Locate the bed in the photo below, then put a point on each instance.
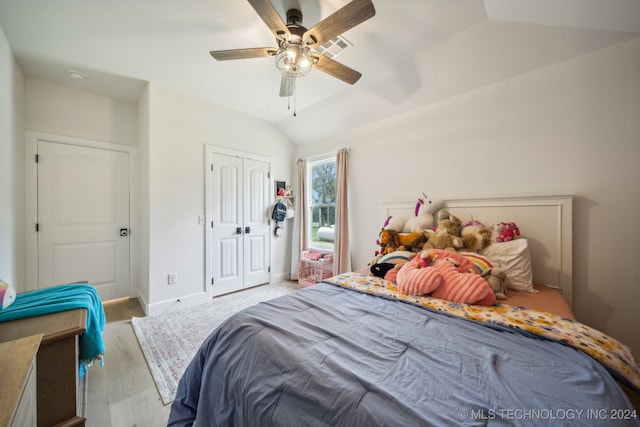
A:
(352, 351)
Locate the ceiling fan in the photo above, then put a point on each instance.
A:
(295, 54)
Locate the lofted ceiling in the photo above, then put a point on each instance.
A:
(411, 53)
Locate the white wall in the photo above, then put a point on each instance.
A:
(170, 131)
(12, 266)
(62, 110)
(572, 127)
(142, 276)
(179, 129)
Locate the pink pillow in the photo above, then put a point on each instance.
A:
(467, 288)
(413, 280)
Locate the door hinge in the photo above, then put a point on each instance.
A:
(211, 224)
(37, 227)
(269, 175)
(212, 280)
(37, 158)
(269, 269)
(211, 167)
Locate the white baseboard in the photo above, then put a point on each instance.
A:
(176, 303)
(191, 300)
(142, 301)
(280, 277)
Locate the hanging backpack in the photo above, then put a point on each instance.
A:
(279, 212)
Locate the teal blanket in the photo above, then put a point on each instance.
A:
(63, 298)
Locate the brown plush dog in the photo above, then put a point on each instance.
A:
(391, 240)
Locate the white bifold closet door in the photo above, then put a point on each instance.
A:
(238, 241)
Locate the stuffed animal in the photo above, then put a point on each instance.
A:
(471, 223)
(495, 278)
(440, 275)
(381, 268)
(424, 215)
(447, 234)
(396, 223)
(468, 288)
(462, 263)
(418, 222)
(475, 238)
(387, 266)
(391, 240)
(509, 231)
(496, 230)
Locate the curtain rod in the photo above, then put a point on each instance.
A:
(316, 157)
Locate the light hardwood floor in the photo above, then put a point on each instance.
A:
(122, 393)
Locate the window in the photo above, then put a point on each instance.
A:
(321, 179)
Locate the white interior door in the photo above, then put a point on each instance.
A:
(226, 224)
(239, 234)
(83, 217)
(256, 222)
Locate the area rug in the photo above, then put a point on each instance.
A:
(169, 341)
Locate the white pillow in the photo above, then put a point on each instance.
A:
(514, 259)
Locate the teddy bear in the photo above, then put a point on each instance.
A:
(507, 231)
(447, 234)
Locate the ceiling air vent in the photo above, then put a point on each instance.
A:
(333, 48)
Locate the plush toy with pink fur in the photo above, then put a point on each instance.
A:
(446, 275)
(509, 231)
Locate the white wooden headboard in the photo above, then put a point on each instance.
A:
(545, 221)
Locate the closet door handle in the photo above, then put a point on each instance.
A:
(247, 230)
(238, 230)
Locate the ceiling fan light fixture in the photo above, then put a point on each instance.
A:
(294, 59)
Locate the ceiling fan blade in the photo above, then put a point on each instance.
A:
(258, 52)
(341, 21)
(287, 85)
(268, 13)
(336, 69)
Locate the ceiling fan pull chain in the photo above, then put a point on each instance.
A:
(294, 104)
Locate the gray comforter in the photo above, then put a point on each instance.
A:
(328, 356)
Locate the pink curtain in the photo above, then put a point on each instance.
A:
(341, 253)
(299, 243)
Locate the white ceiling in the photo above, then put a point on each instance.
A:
(413, 52)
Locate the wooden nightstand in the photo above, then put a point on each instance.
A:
(58, 388)
(18, 379)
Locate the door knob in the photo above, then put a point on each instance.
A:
(247, 230)
(238, 230)
(124, 232)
